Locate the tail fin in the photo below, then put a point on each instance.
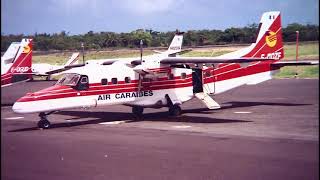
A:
(16, 65)
(176, 43)
(11, 53)
(23, 60)
(73, 59)
(269, 40)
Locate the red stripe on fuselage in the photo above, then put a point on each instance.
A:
(229, 72)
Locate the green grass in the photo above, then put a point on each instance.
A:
(306, 51)
(205, 53)
(61, 58)
(54, 59)
(301, 71)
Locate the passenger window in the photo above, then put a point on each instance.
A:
(170, 76)
(104, 81)
(114, 81)
(183, 75)
(127, 80)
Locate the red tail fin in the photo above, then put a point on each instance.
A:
(22, 63)
(269, 41)
(17, 67)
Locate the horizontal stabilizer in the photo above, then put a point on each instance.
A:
(295, 63)
(186, 60)
(207, 100)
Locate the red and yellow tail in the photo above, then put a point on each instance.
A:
(22, 63)
(17, 66)
(269, 41)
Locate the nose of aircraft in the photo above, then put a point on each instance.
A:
(17, 107)
(22, 106)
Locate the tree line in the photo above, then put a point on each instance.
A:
(101, 40)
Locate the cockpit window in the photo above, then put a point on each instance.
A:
(84, 80)
(69, 79)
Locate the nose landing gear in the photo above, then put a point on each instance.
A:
(44, 123)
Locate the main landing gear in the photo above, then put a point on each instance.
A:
(137, 111)
(44, 123)
(175, 110)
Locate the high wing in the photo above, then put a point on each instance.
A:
(56, 71)
(198, 60)
(64, 68)
(295, 63)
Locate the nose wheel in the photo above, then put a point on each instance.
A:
(44, 123)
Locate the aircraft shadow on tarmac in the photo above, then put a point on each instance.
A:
(238, 104)
(7, 104)
(100, 117)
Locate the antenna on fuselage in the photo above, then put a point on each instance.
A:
(140, 78)
(141, 50)
(82, 46)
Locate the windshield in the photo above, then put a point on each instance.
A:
(69, 79)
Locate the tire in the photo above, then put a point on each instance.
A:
(137, 111)
(175, 110)
(45, 124)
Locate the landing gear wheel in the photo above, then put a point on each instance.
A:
(137, 111)
(44, 123)
(175, 110)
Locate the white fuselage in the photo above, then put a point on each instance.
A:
(150, 93)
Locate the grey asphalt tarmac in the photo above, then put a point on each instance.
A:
(265, 131)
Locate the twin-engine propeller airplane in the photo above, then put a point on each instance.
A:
(162, 80)
(17, 66)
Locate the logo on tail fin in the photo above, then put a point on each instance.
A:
(271, 38)
(26, 49)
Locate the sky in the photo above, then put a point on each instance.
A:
(81, 16)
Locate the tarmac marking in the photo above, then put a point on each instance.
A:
(242, 112)
(113, 122)
(14, 118)
(181, 127)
